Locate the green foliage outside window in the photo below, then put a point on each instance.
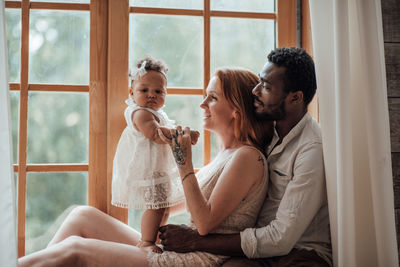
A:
(58, 123)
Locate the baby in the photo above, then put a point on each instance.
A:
(145, 174)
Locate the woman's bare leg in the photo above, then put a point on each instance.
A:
(89, 222)
(78, 251)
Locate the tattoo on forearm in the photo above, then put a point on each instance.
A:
(261, 159)
(179, 153)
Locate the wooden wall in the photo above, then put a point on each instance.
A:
(391, 33)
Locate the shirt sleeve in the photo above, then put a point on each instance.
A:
(305, 194)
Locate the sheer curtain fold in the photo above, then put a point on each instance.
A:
(8, 243)
(350, 66)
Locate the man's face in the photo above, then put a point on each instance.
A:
(269, 100)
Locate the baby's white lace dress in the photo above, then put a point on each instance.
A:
(145, 175)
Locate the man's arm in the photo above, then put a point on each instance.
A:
(181, 238)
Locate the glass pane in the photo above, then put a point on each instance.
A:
(184, 4)
(185, 110)
(215, 143)
(14, 102)
(244, 6)
(49, 199)
(58, 127)
(13, 29)
(241, 42)
(59, 47)
(178, 40)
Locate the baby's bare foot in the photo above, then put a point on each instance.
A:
(149, 246)
(155, 249)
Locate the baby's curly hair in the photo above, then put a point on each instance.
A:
(153, 64)
(300, 70)
(149, 63)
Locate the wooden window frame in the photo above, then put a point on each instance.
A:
(108, 84)
(306, 44)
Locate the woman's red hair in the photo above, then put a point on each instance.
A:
(237, 85)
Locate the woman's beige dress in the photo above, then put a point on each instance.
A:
(244, 216)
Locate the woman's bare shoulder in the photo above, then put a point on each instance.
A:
(248, 152)
(249, 157)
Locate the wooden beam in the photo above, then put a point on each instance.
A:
(194, 12)
(165, 11)
(57, 168)
(184, 91)
(86, 88)
(117, 87)
(207, 59)
(248, 15)
(46, 5)
(60, 6)
(13, 4)
(15, 86)
(23, 118)
(58, 88)
(97, 103)
(306, 44)
(54, 168)
(286, 23)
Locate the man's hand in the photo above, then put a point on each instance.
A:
(179, 238)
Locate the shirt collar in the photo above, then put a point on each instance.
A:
(273, 149)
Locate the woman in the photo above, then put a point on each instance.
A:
(225, 197)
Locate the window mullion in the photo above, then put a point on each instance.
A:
(117, 87)
(207, 52)
(97, 103)
(286, 23)
(23, 124)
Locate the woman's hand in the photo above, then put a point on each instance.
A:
(194, 136)
(181, 146)
(165, 132)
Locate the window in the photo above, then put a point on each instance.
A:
(69, 66)
(48, 47)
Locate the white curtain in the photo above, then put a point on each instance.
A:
(8, 240)
(349, 57)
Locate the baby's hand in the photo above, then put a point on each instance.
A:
(194, 136)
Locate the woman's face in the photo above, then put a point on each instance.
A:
(218, 113)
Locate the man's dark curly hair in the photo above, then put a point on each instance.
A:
(300, 70)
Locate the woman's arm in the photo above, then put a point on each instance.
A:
(177, 209)
(240, 174)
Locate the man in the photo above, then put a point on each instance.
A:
(293, 225)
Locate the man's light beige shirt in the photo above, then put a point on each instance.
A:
(295, 212)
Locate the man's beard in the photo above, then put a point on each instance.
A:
(274, 115)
